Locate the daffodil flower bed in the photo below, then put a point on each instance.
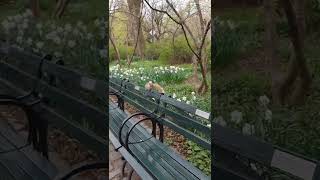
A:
(168, 76)
(74, 43)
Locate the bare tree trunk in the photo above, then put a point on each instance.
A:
(271, 44)
(35, 8)
(135, 29)
(199, 46)
(297, 26)
(63, 8)
(60, 8)
(195, 68)
(115, 47)
(127, 44)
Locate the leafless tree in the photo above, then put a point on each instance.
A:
(199, 43)
(136, 35)
(60, 8)
(112, 10)
(294, 85)
(35, 8)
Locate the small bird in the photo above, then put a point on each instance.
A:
(154, 86)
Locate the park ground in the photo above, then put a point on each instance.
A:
(241, 82)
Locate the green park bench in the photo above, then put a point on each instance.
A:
(18, 161)
(146, 152)
(235, 154)
(63, 98)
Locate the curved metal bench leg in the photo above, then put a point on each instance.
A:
(130, 174)
(121, 103)
(161, 129)
(126, 145)
(124, 122)
(123, 168)
(154, 128)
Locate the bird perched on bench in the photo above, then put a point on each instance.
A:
(154, 86)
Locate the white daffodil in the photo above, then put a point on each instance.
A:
(28, 13)
(209, 125)
(6, 25)
(19, 39)
(268, 115)
(71, 43)
(68, 27)
(264, 100)
(25, 25)
(231, 25)
(174, 95)
(18, 18)
(184, 98)
(193, 93)
(248, 129)
(57, 40)
(97, 23)
(29, 41)
(20, 32)
(236, 116)
(89, 36)
(57, 54)
(79, 23)
(219, 120)
(179, 99)
(60, 30)
(76, 32)
(188, 102)
(39, 26)
(39, 45)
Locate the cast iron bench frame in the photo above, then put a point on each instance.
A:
(160, 110)
(52, 90)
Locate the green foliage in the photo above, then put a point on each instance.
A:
(313, 14)
(178, 53)
(227, 44)
(123, 50)
(166, 53)
(238, 93)
(47, 5)
(153, 50)
(200, 157)
(181, 51)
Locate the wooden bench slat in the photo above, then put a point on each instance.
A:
(92, 141)
(174, 125)
(135, 165)
(63, 102)
(154, 167)
(157, 148)
(181, 119)
(70, 79)
(31, 163)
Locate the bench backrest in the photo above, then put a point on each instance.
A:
(67, 99)
(183, 118)
(228, 144)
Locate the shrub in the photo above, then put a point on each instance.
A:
(313, 14)
(226, 43)
(123, 50)
(175, 54)
(166, 53)
(181, 51)
(153, 50)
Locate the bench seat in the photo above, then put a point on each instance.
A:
(156, 157)
(23, 164)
